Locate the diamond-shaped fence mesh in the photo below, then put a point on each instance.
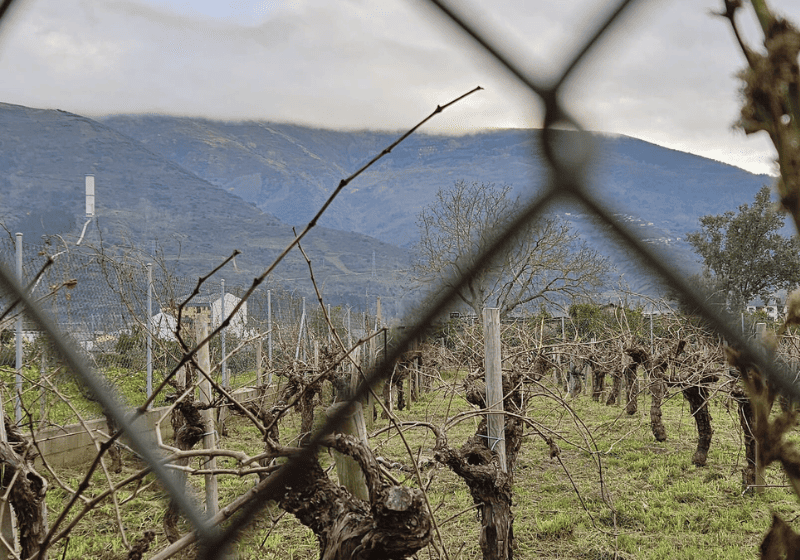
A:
(91, 309)
(101, 304)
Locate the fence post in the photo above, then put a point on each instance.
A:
(300, 331)
(18, 377)
(377, 387)
(348, 471)
(224, 364)
(494, 383)
(149, 329)
(269, 335)
(761, 333)
(204, 361)
(330, 327)
(222, 412)
(259, 371)
(559, 374)
(42, 391)
(349, 339)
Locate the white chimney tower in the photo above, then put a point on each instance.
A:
(90, 196)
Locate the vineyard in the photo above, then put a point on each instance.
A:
(627, 435)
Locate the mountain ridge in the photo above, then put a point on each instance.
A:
(209, 186)
(666, 188)
(516, 149)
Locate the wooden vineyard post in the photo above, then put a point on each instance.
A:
(376, 389)
(558, 374)
(204, 361)
(259, 369)
(761, 332)
(494, 384)
(350, 474)
(370, 364)
(269, 336)
(349, 363)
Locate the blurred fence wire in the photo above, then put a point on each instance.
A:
(106, 306)
(568, 151)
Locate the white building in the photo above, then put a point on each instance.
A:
(772, 308)
(238, 323)
(165, 323)
(163, 326)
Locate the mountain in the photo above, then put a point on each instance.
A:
(198, 189)
(289, 170)
(145, 200)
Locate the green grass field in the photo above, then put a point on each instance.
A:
(658, 504)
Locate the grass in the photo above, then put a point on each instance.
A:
(129, 384)
(663, 505)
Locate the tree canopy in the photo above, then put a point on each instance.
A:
(545, 263)
(744, 253)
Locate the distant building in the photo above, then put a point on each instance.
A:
(773, 308)
(207, 307)
(163, 326)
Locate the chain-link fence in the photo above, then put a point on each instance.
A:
(568, 152)
(121, 315)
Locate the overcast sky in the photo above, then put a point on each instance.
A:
(667, 75)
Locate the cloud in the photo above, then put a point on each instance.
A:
(665, 74)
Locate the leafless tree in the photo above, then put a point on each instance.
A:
(546, 262)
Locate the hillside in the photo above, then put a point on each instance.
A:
(145, 200)
(198, 189)
(288, 170)
(275, 165)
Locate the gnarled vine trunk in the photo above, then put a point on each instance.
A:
(658, 390)
(598, 381)
(747, 422)
(632, 394)
(188, 428)
(27, 494)
(616, 386)
(395, 524)
(697, 395)
(659, 381)
(575, 380)
(490, 487)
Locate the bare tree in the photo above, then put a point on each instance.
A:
(545, 263)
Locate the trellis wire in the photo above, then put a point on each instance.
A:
(568, 156)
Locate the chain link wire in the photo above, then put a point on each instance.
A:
(99, 303)
(113, 300)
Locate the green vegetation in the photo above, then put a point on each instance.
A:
(129, 384)
(663, 506)
(745, 255)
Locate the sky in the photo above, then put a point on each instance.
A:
(665, 75)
